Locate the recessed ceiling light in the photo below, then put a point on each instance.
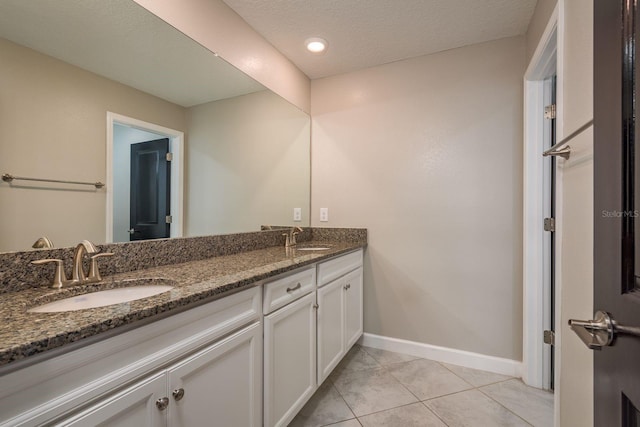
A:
(315, 44)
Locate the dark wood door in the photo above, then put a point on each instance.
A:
(617, 228)
(150, 190)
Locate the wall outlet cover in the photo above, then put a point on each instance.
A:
(297, 214)
(324, 214)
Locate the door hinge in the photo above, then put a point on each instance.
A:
(169, 157)
(549, 224)
(550, 112)
(550, 337)
(168, 219)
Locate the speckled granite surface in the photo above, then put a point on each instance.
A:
(23, 334)
(17, 272)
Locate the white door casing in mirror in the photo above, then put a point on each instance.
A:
(176, 143)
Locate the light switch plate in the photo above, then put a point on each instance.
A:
(324, 214)
(297, 214)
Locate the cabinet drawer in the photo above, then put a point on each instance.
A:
(281, 292)
(330, 270)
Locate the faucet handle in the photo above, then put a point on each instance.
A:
(94, 271)
(59, 279)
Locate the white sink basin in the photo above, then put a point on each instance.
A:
(101, 298)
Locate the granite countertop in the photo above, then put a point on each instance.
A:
(25, 334)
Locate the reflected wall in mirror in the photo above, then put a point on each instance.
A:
(65, 64)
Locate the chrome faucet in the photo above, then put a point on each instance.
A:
(78, 275)
(291, 237)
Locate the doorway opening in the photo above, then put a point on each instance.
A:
(539, 265)
(122, 133)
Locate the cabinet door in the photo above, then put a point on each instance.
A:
(220, 385)
(331, 327)
(134, 406)
(289, 360)
(353, 307)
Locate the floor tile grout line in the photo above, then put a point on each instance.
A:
(434, 413)
(443, 365)
(343, 399)
(390, 373)
(501, 381)
(514, 413)
(424, 402)
(421, 400)
(398, 381)
(338, 422)
(402, 384)
(382, 367)
(468, 382)
(473, 386)
(393, 363)
(406, 388)
(447, 395)
(385, 368)
(389, 409)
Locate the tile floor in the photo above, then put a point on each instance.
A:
(372, 388)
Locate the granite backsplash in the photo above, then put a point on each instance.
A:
(17, 273)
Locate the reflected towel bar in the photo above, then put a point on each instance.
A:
(7, 177)
(566, 151)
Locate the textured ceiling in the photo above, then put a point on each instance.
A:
(120, 40)
(364, 33)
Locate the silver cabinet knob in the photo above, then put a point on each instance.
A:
(178, 394)
(131, 230)
(162, 403)
(347, 286)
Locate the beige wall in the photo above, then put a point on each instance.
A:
(427, 154)
(539, 20)
(217, 27)
(575, 377)
(53, 121)
(248, 164)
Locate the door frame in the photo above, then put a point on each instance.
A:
(176, 146)
(536, 249)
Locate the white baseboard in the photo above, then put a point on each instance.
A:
(468, 359)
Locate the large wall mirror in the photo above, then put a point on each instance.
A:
(83, 83)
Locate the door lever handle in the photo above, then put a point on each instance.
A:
(601, 331)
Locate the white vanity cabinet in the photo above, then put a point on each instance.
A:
(134, 406)
(340, 310)
(214, 383)
(213, 352)
(353, 306)
(220, 385)
(252, 358)
(289, 346)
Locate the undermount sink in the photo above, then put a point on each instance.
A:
(101, 298)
